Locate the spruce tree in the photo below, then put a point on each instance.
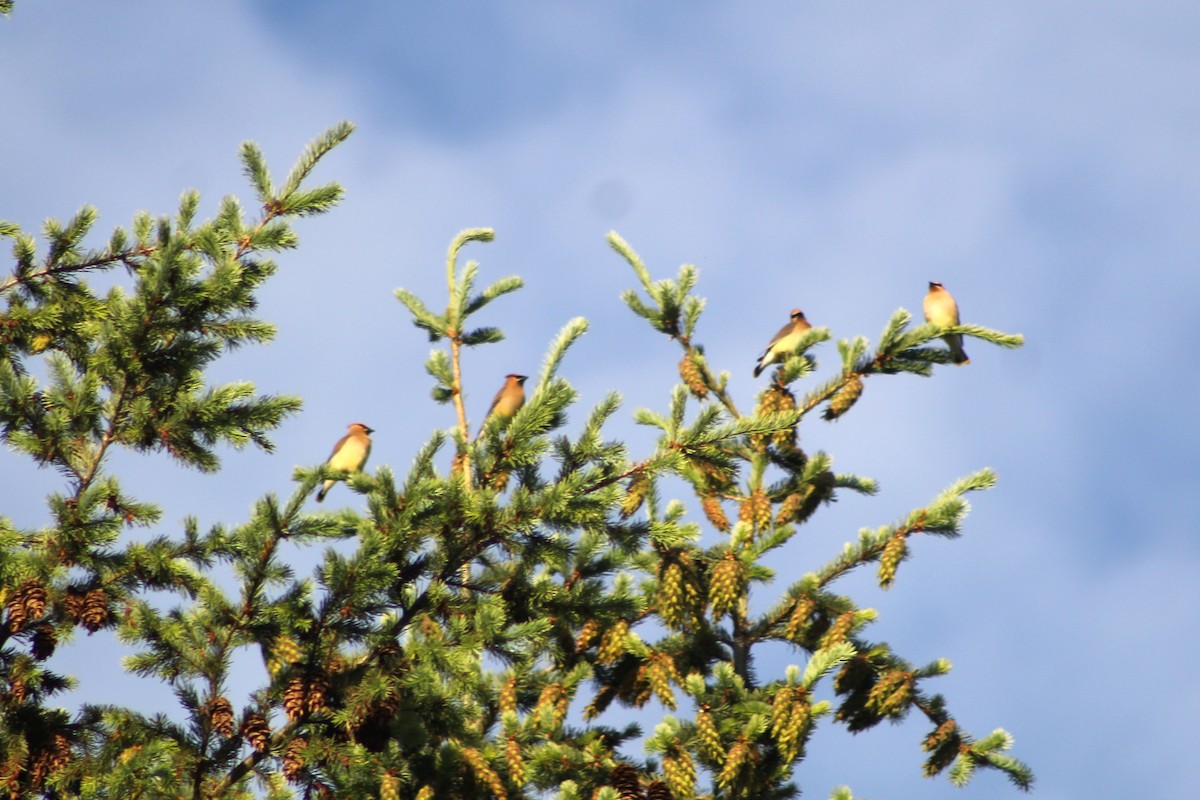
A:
(474, 625)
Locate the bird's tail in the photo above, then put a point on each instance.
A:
(956, 349)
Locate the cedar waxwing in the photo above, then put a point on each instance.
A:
(349, 454)
(508, 400)
(781, 346)
(941, 310)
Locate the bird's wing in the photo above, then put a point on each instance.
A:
(784, 331)
(337, 447)
(496, 400)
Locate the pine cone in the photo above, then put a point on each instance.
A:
(693, 602)
(613, 644)
(710, 740)
(282, 652)
(508, 697)
(561, 707)
(59, 751)
(659, 791)
(680, 772)
(800, 505)
(293, 758)
(856, 675)
(373, 727)
(625, 780)
(941, 758)
(27, 603)
(715, 513)
(45, 639)
(799, 723)
(39, 768)
(586, 634)
(552, 703)
(941, 734)
(785, 437)
(756, 509)
(257, 732)
(791, 505)
(16, 612)
(692, 375)
(499, 480)
(635, 494)
(780, 708)
(739, 754)
(890, 696)
(840, 629)
(74, 603)
(318, 694)
(515, 759)
(893, 552)
(636, 690)
(798, 621)
(762, 510)
(943, 746)
(389, 787)
(845, 397)
(768, 401)
(659, 673)
(430, 628)
(790, 715)
(220, 714)
(294, 698)
(484, 772)
(95, 610)
(35, 599)
(726, 584)
(669, 597)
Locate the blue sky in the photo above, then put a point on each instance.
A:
(1042, 159)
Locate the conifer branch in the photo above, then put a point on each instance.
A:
(130, 258)
(106, 440)
(674, 301)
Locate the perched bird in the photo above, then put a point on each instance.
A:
(508, 400)
(941, 310)
(784, 342)
(349, 454)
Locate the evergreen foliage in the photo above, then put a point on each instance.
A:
(485, 611)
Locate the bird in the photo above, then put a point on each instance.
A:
(784, 342)
(349, 454)
(942, 310)
(508, 400)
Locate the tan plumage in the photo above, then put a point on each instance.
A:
(942, 310)
(349, 454)
(509, 399)
(784, 342)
